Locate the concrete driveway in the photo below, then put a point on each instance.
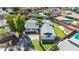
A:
(33, 36)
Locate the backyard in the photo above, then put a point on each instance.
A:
(59, 32)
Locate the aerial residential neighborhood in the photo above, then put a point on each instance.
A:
(39, 29)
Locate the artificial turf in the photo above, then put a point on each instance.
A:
(59, 32)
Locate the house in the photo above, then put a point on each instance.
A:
(71, 14)
(31, 26)
(70, 44)
(3, 23)
(41, 14)
(3, 12)
(47, 34)
(47, 22)
(4, 26)
(9, 10)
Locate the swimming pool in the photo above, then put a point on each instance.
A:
(68, 21)
(77, 37)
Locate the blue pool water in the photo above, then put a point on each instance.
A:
(77, 36)
(68, 21)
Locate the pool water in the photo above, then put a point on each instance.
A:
(68, 21)
(77, 36)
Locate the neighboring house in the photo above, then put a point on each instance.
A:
(31, 26)
(56, 12)
(47, 33)
(71, 14)
(3, 12)
(70, 44)
(4, 26)
(3, 23)
(41, 14)
(9, 10)
(47, 22)
(32, 14)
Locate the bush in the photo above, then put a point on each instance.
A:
(3, 8)
(55, 47)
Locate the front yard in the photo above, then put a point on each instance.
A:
(37, 47)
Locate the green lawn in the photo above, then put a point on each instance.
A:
(55, 24)
(59, 32)
(37, 47)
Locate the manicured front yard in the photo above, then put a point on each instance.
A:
(37, 47)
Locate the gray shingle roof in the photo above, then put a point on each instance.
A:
(3, 23)
(31, 24)
(46, 28)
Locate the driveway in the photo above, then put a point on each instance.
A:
(33, 36)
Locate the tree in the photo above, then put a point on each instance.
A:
(40, 23)
(55, 47)
(15, 8)
(3, 8)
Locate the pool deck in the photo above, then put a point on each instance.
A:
(67, 46)
(72, 25)
(73, 39)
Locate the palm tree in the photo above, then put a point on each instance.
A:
(15, 9)
(3, 8)
(16, 22)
